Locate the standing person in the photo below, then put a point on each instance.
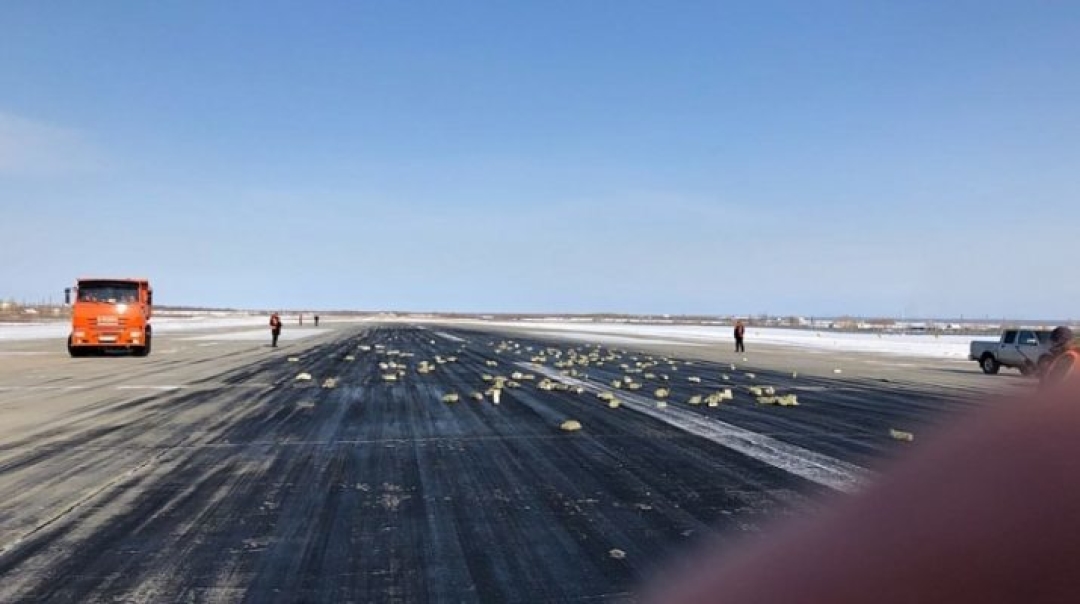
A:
(275, 329)
(316, 320)
(740, 331)
(1065, 357)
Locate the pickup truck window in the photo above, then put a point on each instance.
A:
(1027, 338)
(1009, 337)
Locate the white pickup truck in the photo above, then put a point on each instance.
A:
(1025, 349)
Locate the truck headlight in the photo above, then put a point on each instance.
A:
(79, 333)
(135, 335)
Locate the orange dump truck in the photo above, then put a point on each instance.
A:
(110, 314)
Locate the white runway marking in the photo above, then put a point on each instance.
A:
(452, 338)
(137, 387)
(816, 467)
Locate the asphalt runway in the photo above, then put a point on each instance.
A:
(208, 473)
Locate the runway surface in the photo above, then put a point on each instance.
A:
(208, 473)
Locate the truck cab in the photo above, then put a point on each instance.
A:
(110, 314)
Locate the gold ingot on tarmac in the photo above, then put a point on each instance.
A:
(788, 400)
(901, 435)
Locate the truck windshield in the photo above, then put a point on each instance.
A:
(108, 291)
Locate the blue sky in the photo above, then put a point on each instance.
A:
(873, 158)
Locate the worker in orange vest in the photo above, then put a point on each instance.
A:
(1066, 357)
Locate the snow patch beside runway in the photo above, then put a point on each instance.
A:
(162, 325)
(923, 345)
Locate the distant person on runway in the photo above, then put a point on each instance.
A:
(316, 320)
(275, 329)
(740, 331)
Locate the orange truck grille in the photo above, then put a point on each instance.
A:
(106, 321)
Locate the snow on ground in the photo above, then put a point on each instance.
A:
(928, 345)
(945, 346)
(162, 325)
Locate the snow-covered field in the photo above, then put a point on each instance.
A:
(946, 346)
(162, 325)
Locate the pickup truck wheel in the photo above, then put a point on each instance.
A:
(1044, 364)
(989, 364)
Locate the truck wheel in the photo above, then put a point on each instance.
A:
(73, 352)
(989, 364)
(1030, 368)
(144, 350)
(1044, 364)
